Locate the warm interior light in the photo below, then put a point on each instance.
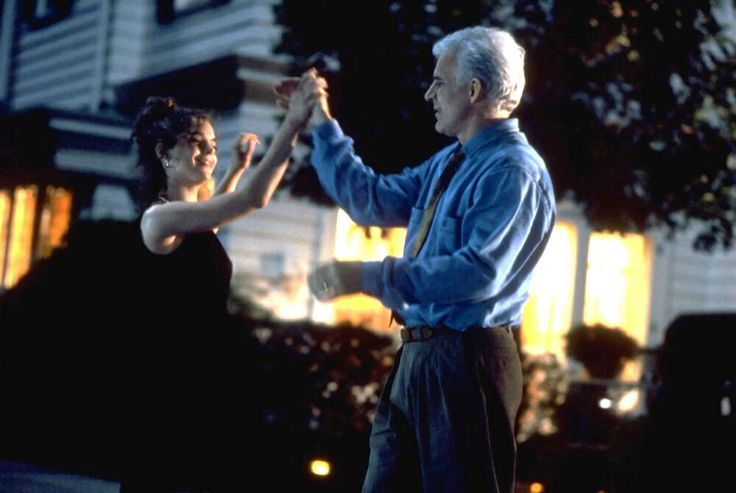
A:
(353, 242)
(629, 401)
(4, 220)
(536, 488)
(55, 217)
(21, 234)
(617, 283)
(320, 467)
(548, 311)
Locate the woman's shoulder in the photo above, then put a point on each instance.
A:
(150, 227)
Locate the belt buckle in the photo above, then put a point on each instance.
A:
(405, 334)
(416, 333)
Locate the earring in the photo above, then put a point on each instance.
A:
(166, 162)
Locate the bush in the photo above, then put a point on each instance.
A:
(603, 351)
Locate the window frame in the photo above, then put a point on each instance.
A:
(59, 10)
(166, 12)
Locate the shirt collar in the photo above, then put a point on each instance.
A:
(494, 131)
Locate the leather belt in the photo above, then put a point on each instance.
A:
(422, 333)
(412, 334)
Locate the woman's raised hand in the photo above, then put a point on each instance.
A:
(243, 151)
(300, 95)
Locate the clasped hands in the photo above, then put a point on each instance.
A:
(305, 98)
(313, 89)
(335, 278)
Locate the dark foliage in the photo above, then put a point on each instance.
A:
(72, 338)
(603, 351)
(631, 103)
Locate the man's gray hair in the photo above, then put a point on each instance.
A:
(493, 57)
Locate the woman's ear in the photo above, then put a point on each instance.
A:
(160, 150)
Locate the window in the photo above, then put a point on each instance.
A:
(168, 10)
(184, 5)
(33, 222)
(547, 314)
(20, 234)
(40, 13)
(56, 213)
(618, 282)
(353, 242)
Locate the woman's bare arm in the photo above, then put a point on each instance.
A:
(162, 225)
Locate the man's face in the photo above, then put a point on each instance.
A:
(450, 99)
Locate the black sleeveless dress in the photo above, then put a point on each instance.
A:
(186, 399)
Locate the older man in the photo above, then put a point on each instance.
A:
(479, 214)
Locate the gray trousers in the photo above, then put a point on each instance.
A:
(445, 419)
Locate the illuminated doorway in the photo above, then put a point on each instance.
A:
(547, 315)
(618, 283)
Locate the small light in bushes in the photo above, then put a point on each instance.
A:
(605, 403)
(320, 467)
(536, 488)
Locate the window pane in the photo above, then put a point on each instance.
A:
(183, 5)
(548, 312)
(617, 283)
(4, 222)
(42, 9)
(55, 217)
(21, 234)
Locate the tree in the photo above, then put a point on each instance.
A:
(631, 103)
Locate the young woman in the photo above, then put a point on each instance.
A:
(177, 150)
(190, 401)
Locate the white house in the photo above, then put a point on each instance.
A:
(72, 74)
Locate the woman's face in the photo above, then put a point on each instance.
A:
(194, 157)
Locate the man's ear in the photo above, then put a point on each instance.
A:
(476, 91)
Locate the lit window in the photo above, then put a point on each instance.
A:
(617, 283)
(353, 242)
(55, 216)
(30, 216)
(4, 223)
(548, 312)
(23, 213)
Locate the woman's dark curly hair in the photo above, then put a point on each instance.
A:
(160, 121)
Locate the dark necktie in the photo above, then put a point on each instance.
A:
(452, 165)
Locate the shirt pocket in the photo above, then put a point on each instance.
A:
(443, 236)
(446, 237)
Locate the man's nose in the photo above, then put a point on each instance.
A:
(428, 94)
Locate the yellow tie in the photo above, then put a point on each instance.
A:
(452, 165)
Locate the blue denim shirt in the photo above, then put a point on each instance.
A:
(489, 229)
